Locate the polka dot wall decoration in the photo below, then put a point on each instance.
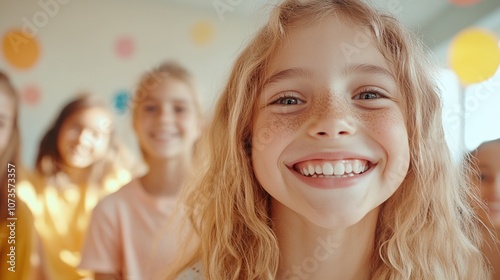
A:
(125, 47)
(21, 50)
(121, 101)
(474, 55)
(202, 33)
(31, 95)
(464, 2)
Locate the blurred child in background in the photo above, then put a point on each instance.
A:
(79, 161)
(487, 160)
(15, 234)
(127, 238)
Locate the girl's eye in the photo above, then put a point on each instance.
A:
(368, 95)
(483, 177)
(149, 108)
(288, 100)
(179, 109)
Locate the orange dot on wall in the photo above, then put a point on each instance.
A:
(20, 49)
(464, 2)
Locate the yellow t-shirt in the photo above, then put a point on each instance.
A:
(17, 243)
(61, 217)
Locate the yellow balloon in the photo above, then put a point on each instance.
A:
(21, 50)
(474, 55)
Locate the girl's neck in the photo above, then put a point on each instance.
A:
(78, 176)
(310, 252)
(165, 176)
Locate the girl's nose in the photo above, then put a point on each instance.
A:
(88, 137)
(84, 136)
(166, 114)
(332, 119)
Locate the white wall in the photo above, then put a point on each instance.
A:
(77, 43)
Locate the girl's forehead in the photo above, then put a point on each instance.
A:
(89, 116)
(489, 151)
(170, 89)
(326, 42)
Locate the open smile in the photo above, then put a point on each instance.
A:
(333, 169)
(332, 173)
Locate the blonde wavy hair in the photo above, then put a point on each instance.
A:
(426, 230)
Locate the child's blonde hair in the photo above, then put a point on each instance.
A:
(426, 230)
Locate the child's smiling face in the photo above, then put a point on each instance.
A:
(329, 139)
(167, 123)
(84, 137)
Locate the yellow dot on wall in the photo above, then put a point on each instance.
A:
(202, 32)
(474, 55)
(21, 50)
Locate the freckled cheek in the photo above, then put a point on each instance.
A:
(270, 128)
(388, 129)
(387, 123)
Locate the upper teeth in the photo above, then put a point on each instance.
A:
(328, 168)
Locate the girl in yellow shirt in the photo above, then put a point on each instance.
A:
(16, 222)
(79, 161)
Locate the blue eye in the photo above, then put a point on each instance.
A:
(288, 100)
(368, 95)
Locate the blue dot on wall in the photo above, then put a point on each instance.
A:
(120, 101)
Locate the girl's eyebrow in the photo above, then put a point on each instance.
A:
(367, 69)
(289, 73)
(306, 73)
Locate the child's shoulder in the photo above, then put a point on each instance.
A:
(123, 193)
(192, 273)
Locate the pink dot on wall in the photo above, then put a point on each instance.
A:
(464, 2)
(124, 47)
(31, 95)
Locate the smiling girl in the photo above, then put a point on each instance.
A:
(326, 160)
(79, 161)
(129, 235)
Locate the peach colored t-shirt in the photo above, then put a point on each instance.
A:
(130, 235)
